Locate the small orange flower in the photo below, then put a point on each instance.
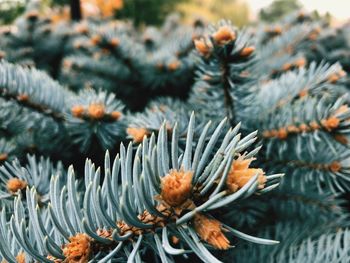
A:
(203, 47)
(78, 249)
(78, 110)
(96, 111)
(247, 51)
(176, 187)
(137, 133)
(210, 230)
(224, 35)
(240, 174)
(15, 184)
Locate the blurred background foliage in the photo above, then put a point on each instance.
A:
(153, 12)
(141, 12)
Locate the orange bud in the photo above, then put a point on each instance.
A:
(78, 249)
(3, 157)
(95, 39)
(114, 42)
(247, 51)
(240, 174)
(96, 111)
(282, 133)
(330, 123)
(300, 62)
(21, 258)
(210, 230)
(176, 187)
(15, 184)
(116, 115)
(202, 47)
(224, 35)
(78, 110)
(22, 97)
(137, 133)
(174, 65)
(335, 166)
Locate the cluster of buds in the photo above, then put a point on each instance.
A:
(298, 63)
(95, 111)
(329, 124)
(221, 37)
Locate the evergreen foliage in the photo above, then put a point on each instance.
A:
(204, 142)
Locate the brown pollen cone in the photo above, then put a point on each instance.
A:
(78, 249)
(240, 174)
(176, 187)
(210, 230)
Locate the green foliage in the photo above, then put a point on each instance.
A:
(9, 10)
(150, 12)
(278, 9)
